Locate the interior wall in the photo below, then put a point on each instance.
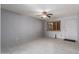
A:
(17, 29)
(78, 28)
(69, 28)
(0, 28)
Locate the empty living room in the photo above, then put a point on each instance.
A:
(39, 28)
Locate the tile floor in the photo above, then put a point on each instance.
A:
(46, 46)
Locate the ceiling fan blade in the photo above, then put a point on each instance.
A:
(50, 14)
(38, 15)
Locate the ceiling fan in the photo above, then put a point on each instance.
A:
(45, 14)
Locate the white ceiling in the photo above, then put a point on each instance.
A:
(59, 10)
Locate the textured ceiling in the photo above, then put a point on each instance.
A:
(59, 10)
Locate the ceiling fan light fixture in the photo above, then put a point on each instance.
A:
(44, 16)
(44, 13)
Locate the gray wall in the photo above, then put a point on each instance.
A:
(78, 28)
(69, 28)
(0, 28)
(17, 29)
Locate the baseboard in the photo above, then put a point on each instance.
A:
(70, 40)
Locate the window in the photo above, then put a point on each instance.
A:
(54, 26)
